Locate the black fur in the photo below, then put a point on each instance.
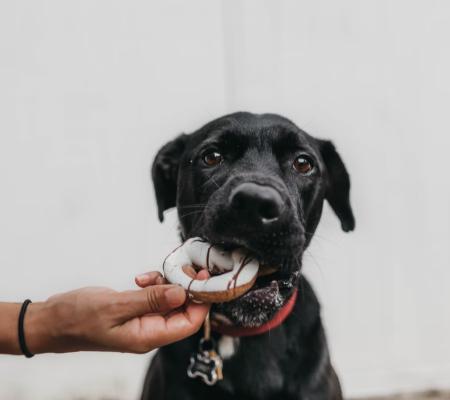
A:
(258, 151)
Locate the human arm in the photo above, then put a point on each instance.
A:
(102, 319)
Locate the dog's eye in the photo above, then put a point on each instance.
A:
(212, 158)
(303, 164)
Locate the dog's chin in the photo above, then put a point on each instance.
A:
(260, 304)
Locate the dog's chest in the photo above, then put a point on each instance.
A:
(227, 346)
(249, 369)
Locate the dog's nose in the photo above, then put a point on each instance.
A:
(256, 202)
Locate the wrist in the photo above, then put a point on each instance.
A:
(39, 328)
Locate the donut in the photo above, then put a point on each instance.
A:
(233, 273)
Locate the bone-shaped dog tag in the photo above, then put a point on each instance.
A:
(206, 364)
(204, 367)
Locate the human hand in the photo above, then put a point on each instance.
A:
(102, 319)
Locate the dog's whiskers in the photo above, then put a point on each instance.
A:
(317, 264)
(193, 205)
(215, 183)
(317, 236)
(190, 213)
(211, 179)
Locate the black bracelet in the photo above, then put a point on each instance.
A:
(22, 344)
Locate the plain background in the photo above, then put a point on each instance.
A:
(89, 90)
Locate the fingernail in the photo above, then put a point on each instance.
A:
(142, 277)
(175, 296)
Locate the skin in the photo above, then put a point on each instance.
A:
(102, 319)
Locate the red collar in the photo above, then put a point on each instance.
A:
(277, 320)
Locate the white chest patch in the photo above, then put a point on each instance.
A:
(227, 346)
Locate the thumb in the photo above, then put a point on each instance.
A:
(153, 299)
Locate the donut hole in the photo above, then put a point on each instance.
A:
(215, 270)
(190, 271)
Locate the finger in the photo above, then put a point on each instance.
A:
(183, 324)
(203, 274)
(195, 313)
(153, 299)
(149, 278)
(159, 331)
(155, 278)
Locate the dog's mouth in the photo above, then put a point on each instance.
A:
(269, 283)
(271, 290)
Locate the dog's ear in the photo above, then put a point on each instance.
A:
(338, 185)
(165, 173)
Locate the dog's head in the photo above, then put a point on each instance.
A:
(257, 182)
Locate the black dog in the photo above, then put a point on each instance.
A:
(257, 182)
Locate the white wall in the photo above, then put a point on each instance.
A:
(90, 90)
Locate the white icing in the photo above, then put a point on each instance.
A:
(195, 251)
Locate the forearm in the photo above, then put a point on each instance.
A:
(9, 315)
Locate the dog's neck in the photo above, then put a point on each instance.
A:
(277, 320)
